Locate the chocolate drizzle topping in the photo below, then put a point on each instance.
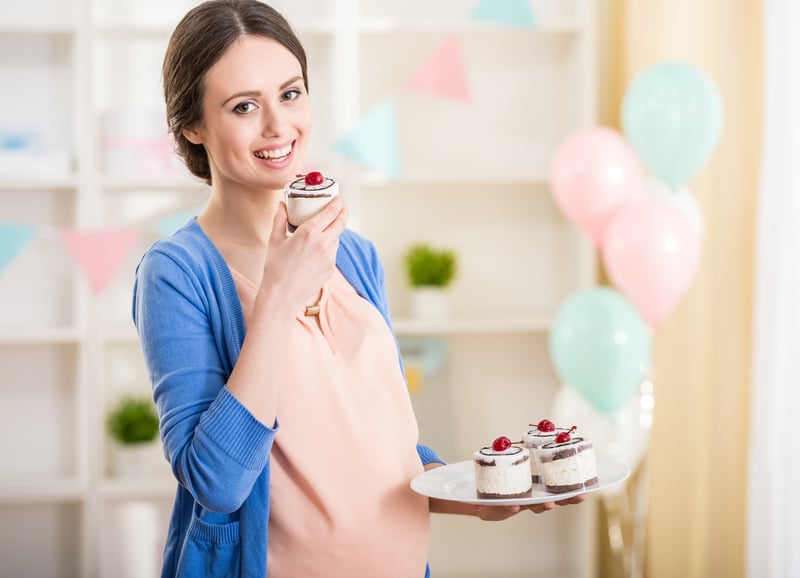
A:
(310, 190)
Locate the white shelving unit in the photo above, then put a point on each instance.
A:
(81, 77)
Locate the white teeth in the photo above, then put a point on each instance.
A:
(274, 154)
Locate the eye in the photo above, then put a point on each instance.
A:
(292, 94)
(244, 107)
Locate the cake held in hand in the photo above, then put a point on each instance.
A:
(308, 195)
(567, 463)
(544, 432)
(502, 470)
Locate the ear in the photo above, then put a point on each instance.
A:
(192, 134)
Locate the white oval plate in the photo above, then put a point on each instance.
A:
(456, 483)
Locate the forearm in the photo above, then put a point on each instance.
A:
(220, 457)
(260, 370)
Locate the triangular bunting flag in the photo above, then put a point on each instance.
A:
(373, 142)
(443, 74)
(169, 225)
(13, 239)
(506, 12)
(99, 253)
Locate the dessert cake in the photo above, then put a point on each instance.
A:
(502, 470)
(307, 195)
(544, 432)
(567, 463)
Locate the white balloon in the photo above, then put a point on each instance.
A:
(622, 436)
(681, 197)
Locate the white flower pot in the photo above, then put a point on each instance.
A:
(136, 460)
(431, 303)
(139, 533)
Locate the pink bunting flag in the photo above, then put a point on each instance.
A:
(99, 253)
(443, 74)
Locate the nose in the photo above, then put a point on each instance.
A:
(275, 120)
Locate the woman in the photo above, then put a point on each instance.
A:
(289, 427)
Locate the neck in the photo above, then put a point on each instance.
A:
(241, 218)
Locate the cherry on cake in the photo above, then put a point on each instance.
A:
(544, 432)
(502, 470)
(567, 463)
(308, 195)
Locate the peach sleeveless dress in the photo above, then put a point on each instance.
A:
(345, 451)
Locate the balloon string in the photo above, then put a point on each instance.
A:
(614, 530)
(640, 520)
(626, 519)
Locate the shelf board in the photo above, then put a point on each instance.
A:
(39, 490)
(138, 488)
(390, 25)
(122, 31)
(402, 326)
(537, 177)
(41, 28)
(48, 336)
(367, 26)
(121, 335)
(161, 32)
(405, 326)
(475, 326)
(13, 184)
(132, 183)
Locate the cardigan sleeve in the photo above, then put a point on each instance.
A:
(215, 446)
(428, 455)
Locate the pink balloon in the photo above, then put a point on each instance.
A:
(594, 172)
(651, 251)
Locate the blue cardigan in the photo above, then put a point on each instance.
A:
(189, 318)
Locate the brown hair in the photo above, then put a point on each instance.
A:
(198, 41)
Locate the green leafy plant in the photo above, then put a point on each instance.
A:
(133, 420)
(428, 266)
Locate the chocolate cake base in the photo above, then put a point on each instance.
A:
(501, 496)
(571, 487)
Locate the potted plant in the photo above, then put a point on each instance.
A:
(430, 272)
(133, 424)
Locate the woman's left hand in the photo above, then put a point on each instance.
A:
(496, 513)
(492, 513)
(500, 513)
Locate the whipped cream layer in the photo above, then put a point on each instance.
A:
(502, 474)
(567, 466)
(535, 438)
(303, 201)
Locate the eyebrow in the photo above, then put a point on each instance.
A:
(244, 93)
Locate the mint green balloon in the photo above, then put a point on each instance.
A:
(600, 345)
(672, 116)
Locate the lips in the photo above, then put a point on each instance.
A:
(276, 154)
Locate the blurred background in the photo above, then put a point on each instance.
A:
(585, 209)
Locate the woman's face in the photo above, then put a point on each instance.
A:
(256, 116)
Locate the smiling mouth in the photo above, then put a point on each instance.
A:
(275, 154)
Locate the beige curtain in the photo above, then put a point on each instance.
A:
(696, 466)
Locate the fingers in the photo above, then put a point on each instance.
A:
(541, 508)
(333, 217)
(499, 513)
(570, 501)
(280, 222)
(496, 513)
(340, 222)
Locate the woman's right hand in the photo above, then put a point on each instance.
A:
(298, 265)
